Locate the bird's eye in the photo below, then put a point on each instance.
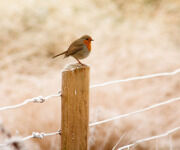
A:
(87, 39)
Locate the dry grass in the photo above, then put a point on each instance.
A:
(131, 38)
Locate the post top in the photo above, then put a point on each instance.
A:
(71, 67)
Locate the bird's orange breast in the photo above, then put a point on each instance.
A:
(88, 44)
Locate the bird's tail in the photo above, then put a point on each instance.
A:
(59, 54)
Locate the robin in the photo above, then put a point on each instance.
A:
(79, 49)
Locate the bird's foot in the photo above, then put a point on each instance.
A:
(82, 64)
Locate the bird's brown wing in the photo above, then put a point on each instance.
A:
(75, 47)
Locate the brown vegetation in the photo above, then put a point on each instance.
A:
(131, 38)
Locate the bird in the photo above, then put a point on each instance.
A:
(79, 49)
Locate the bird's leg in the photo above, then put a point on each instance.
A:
(78, 61)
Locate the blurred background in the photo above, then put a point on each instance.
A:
(132, 38)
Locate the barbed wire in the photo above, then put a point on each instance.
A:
(135, 112)
(33, 135)
(150, 138)
(39, 99)
(136, 78)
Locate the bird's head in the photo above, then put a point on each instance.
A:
(87, 37)
(87, 41)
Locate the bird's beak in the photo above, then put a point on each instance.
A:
(92, 40)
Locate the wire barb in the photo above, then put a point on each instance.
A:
(39, 99)
(38, 135)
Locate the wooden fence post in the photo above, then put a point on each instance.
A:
(75, 107)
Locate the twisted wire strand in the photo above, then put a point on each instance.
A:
(39, 135)
(39, 99)
(135, 112)
(137, 78)
(150, 138)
